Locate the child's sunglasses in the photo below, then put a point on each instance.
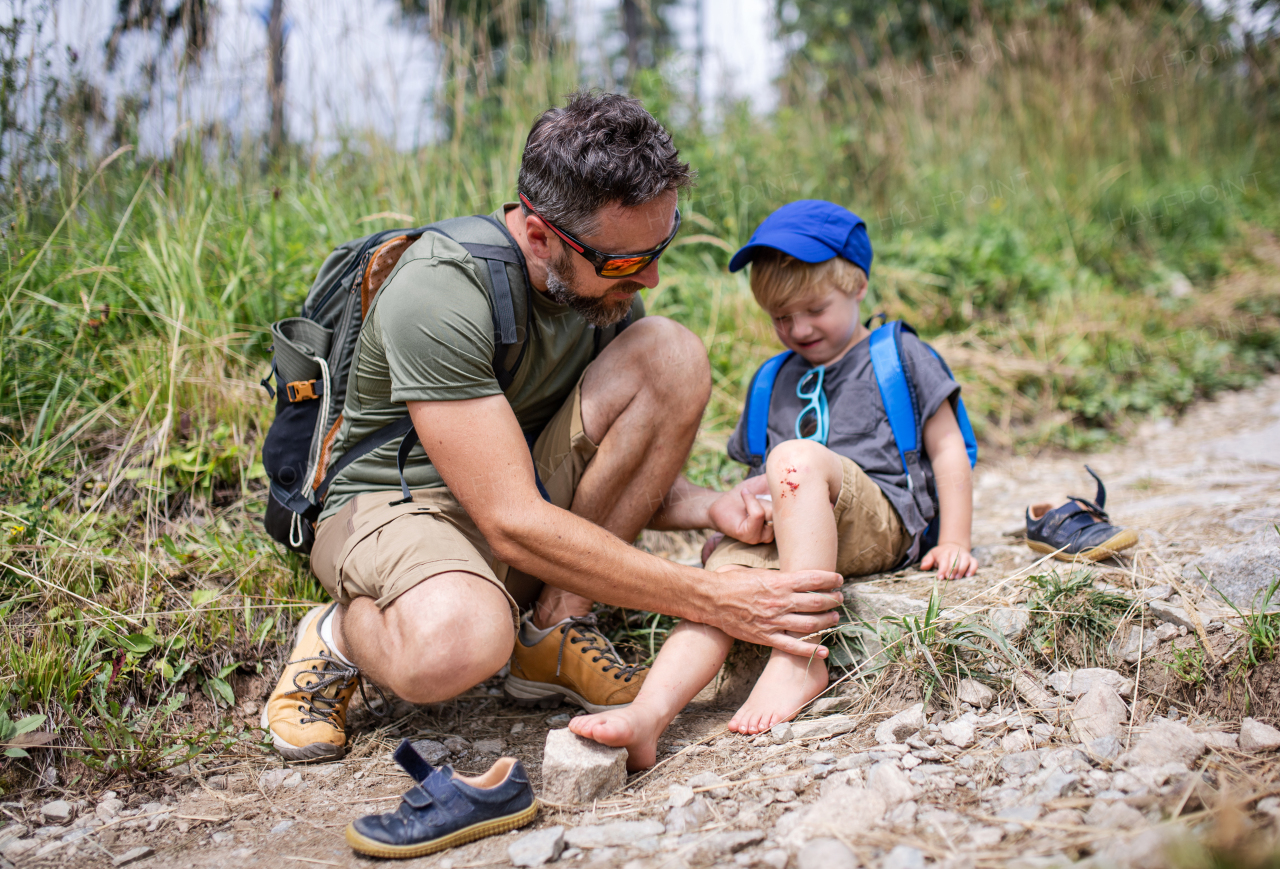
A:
(814, 420)
(609, 265)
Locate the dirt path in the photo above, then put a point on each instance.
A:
(1205, 491)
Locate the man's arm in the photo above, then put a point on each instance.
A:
(737, 513)
(478, 448)
(944, 445)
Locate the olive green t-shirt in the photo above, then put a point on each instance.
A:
(429, 336)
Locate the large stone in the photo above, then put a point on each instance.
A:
(682, 819)
(714, 849)
(1256, 736)
(432, 752)
(906, 723)
(1083, 680)
(577, 770)
(1242, 571)
(904, 857)
(888, 780)
(842, 811)
(1057, 784)
(57, 812)
(716, 783)
(1021, 763)
(613, 834)
(1100, 712)
(1114, 816)
(1174, 615)
(959, 733)
(537, 848)
(826, 853)
(974, 693)
(1133, 644)
(1164, 742)
(824, 728)
(1010, 621)
(1146, 850)
(1105, 748)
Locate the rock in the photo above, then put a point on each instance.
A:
(1105, 747)
(1242, 570)
(904, 857)
(903, 815)
(292, 781)
(282, 826)
(1017, 741)
(710, 780)
(691, 817)
(888, 780)
(13, 849)
(906, 723)
(1100, 712)
(1134, 645)
(780, 733)
(1166, 632)
(613, 834)
(1256, 736)
(1114, 816)
(1011, 621)
(826, 853)
(537, 848)
(823, 728)
(1014, 814)
(959, 733)
(489, 746)
(1143, 851)
(985, 838)
(976, 694)
(1055, 786)
(132, 855)
(1219, 740)
(817, 757)
(56, 812)
(272, 778)
(843, 811)
(456, 744)
(1059, 681)
(1083, 680)
(559, 720)
(517, 728)
(1163, 742)
(679, 796)
(108, 809)
(1022, 763)
(1174, 615)
(714, 849)
(1030, 689)
(1064, 817)
(432, 752)
(577, 770)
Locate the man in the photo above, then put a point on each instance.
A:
(426, 591)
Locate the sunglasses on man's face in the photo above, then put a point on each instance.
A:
(609, 265)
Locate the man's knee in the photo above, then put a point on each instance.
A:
(447, 639)
(674, 359)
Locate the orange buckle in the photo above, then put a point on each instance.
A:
(301, 390)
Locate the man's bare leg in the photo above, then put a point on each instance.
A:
(441, 637)
(642, 402)
(689, 659)
(804, 482)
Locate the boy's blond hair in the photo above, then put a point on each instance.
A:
(778, 279)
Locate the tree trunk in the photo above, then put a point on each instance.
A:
(633, 29)
(275, 79)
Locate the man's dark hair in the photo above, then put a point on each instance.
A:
(596, 150)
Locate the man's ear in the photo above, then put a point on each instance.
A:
(539, 236)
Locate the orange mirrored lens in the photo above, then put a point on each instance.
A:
(622, 267)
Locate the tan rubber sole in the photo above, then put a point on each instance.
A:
(1116, 543)
(364, 845)
(316, 752)
(548, 696)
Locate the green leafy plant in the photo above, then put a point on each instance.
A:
(1071, 621)
(1188, 665)
(17, 736)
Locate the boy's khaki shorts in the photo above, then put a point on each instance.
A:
(870, 534)
(374, 549)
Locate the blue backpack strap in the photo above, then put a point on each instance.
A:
(898, 397)
(962, 416)
(756, 414)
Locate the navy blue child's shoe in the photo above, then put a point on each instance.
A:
(446, 809)
(1079, 530)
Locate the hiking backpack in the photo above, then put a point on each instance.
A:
(313, 353)
(901, 406)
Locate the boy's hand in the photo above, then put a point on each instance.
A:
(739, 514)
(952, 560)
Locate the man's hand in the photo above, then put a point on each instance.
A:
(739, 514)
(767, 607)
(952, 560)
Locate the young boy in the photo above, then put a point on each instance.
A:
(832, 473)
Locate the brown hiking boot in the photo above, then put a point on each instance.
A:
(307, 712)
(573, 661)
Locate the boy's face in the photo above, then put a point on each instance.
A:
(820, 327)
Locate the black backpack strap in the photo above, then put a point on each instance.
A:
(367, 444)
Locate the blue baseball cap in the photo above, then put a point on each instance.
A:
(812, 231)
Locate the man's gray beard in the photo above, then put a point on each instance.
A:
(598, 312)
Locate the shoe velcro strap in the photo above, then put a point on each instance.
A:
(447, 800)
(412, 762)
(418, 798)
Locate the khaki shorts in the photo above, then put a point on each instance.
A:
(374, 548)
(871, 536)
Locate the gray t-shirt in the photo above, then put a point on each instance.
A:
(859, 428)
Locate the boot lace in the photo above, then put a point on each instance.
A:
(588, 631)
(318, 705)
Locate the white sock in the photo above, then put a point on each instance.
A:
(326, 634)
(531, 636)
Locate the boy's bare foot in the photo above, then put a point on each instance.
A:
(787, 683)
(628, 728)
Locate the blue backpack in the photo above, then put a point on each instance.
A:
(897, 392)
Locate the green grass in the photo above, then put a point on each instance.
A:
(1032, 217)
(1071, 621)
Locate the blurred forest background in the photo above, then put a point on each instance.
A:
(1075, 201)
